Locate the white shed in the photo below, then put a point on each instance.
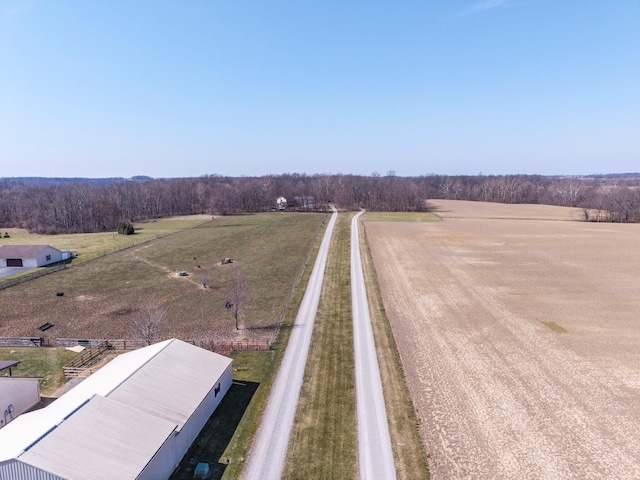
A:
(133, 419)
(28, 255)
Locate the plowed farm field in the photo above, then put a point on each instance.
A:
(519, 332)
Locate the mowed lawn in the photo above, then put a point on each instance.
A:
(101, 297)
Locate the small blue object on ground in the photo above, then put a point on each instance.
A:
(202, 470)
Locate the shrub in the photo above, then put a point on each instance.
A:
(126, 228)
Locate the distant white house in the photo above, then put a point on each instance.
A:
(281, 202)
(133, 419)
(28, 255)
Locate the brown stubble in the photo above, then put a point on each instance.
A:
(499, 393)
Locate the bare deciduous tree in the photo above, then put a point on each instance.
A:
(236, 294)
(148, 323)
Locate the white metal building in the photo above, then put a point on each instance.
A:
(28, 255)
(133, 419)
(17, 395)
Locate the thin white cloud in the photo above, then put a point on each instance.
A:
(10, 10)
(486, 5)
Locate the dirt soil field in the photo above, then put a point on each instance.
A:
(519, 334)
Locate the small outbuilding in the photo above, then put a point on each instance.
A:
(28, 255)
(133, 419)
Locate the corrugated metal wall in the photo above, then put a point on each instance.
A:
(17, 470)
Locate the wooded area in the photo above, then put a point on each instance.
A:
(84, 205)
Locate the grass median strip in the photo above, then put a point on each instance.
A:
(323, 441)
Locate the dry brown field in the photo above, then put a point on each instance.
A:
(519, 333)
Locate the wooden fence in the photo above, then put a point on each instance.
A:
(113, 344)
(21, 342)
(81, 365)
(226, 346)
(30, 276)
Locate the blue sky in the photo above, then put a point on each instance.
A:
(243, 87)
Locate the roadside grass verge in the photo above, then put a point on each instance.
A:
(226, 439)
(408, 452)
(41, 362)
(101, 296)
(400, 217)
(323, 442)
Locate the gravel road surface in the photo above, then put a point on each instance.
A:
(375, 456)
(266, 459)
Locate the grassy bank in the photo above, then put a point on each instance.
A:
(324, 439)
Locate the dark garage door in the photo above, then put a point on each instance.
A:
(14, 262)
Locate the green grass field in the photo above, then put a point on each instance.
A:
(46, 363)
(89, 245)
(101, 296)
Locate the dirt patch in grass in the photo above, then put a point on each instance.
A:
(498, 393)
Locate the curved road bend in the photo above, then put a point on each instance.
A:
(375, 456)
(266, 459)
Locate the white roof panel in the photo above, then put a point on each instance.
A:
(103, 440)
(132, 379)
(193, 373)
(24, 430)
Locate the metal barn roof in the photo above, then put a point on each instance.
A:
(101, 438)
(22, 251)
(184, 365)
(135, 389)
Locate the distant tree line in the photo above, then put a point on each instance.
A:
(90, 206)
